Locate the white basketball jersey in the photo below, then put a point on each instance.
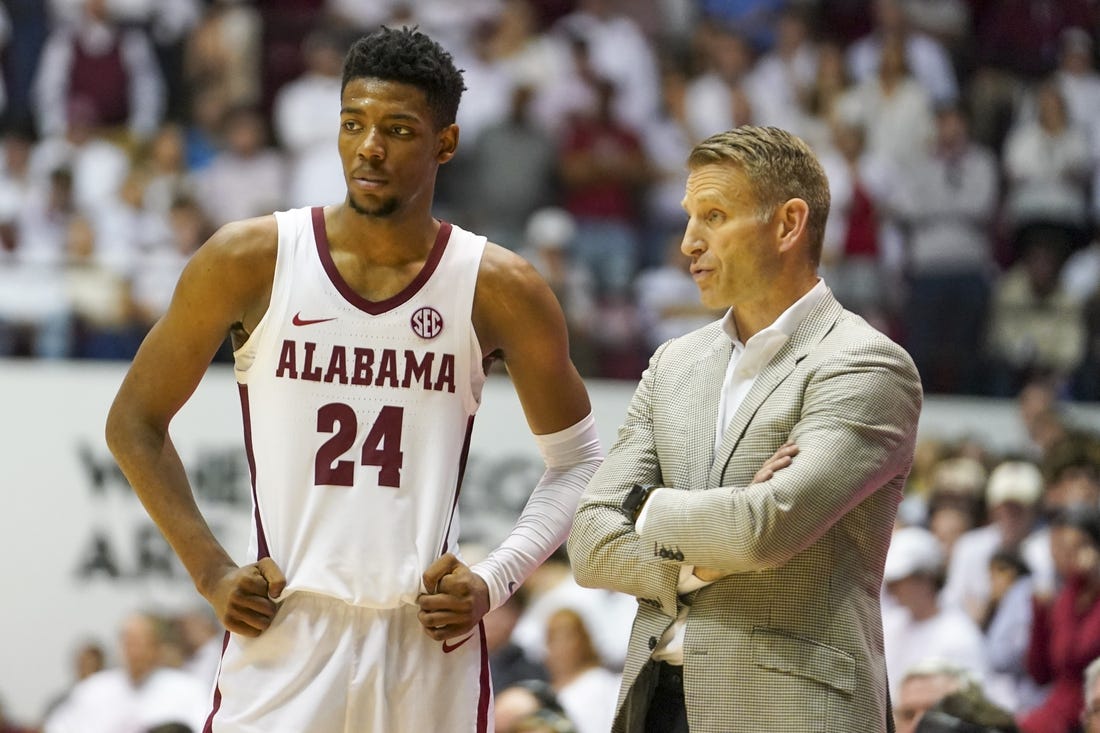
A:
(357, 416)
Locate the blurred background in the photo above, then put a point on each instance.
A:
(961, 139)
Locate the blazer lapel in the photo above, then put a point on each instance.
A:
(808, 334)
(707, 376)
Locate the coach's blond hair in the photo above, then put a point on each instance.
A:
(780, 166)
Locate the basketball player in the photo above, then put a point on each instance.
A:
(362, 332)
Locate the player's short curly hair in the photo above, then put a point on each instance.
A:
(410, 57)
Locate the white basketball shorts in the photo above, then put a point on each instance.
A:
(324, 666)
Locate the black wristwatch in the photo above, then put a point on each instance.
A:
(635, 499)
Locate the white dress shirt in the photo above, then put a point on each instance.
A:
(746, 362)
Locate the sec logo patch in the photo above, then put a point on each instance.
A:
(427, 323)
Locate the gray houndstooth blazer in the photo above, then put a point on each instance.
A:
(791, 640)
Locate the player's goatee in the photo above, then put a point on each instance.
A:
(386, 208)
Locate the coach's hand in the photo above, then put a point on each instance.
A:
(778, 461)
(455, 600)
(243, 598)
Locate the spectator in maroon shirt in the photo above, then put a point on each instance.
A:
(603, 167)
(1065, 633)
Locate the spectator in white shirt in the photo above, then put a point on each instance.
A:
(98, 166)
(620, 52)
(137, 696)
(304, 118)
(248, 177)
(723, 95)
(917, 627)
(1012, 497)
(786, 73)
(893, 107)
(924, 55)
(586, 690)
(1048, 164)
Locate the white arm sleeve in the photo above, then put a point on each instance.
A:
(572, 456)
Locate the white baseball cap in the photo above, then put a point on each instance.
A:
(960, 475)
(550, 227)
(912, 550)
(1018, 481)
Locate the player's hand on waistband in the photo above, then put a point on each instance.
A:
(455, 600)
(243, 597)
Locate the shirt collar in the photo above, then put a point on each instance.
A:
(764, 344)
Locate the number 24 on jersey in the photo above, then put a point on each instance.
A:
(382, 447)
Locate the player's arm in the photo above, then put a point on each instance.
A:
(519, 321)
(226, 284)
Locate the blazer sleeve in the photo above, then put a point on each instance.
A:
(855, 434)
(603, 547)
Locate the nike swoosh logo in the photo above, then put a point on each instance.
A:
(448, 648)
(511, 586)
(299, 321)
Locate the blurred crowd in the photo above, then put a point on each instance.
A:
(155, 678)
(961, 140)
(992, 579)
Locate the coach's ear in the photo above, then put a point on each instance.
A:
(447, 143)
(790, 223)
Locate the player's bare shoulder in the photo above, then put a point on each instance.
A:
(246, 246)
(504, 270)
(511, 298)
(233, 270)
